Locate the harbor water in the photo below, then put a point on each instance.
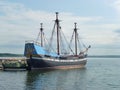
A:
(99, 74)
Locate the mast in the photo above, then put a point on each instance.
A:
(41, 29)
(75, 30)
(58, 43)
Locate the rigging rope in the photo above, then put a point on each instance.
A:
(51, 39)
(67, 42)
(38, 37)
(82, 43)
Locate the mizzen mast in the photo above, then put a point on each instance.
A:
(41, 29)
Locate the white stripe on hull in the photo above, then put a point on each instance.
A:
(61, 60)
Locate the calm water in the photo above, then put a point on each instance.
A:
(99, 74)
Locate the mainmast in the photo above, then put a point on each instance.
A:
(41, 29)
(58, 43)
(75, 30)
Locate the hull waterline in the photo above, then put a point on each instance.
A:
(43, 63)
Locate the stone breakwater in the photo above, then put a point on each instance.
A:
(12, 62)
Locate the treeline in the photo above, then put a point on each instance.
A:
(10, 55)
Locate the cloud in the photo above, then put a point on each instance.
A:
(19, 23)
(116, 5)
(118, 35)
(117, 31)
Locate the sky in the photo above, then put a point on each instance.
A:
(98, 23)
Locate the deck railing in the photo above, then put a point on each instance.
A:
(32, 41)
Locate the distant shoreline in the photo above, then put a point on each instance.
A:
(10, 55)
(104, 56)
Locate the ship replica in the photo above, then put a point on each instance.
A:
(41, 56)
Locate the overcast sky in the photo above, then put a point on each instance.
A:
(98, 22)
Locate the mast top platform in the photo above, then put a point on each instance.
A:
(41, 24)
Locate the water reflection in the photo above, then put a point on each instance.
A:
(74, 79)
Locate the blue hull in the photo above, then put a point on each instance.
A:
(39, 58)
(47, 63)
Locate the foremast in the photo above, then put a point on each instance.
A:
(58, 37)
(75, 30)
(77, 42)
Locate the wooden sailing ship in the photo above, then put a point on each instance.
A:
(40, 57)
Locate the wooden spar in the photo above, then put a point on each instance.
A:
(75, 30)
(57, 23)
(41, 29)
